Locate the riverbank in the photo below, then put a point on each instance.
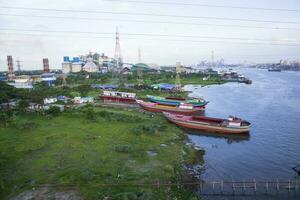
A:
(79, 148)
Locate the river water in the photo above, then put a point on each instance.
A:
(272, 105)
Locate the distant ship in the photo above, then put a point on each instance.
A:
(273, 69)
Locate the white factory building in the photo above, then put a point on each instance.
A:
(90, 66)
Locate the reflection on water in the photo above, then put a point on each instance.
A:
(233, 138)
(272, 147)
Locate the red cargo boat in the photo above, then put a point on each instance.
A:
(118, 97)
(186, 109)
(232, 125)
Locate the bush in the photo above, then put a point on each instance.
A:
(90, 114)
(123, 148)
(120, 117)
(53, 110)
(148, 129)
(29, 125)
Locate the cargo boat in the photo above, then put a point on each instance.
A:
(118, 97)
(273, 69)
(232, 125)
(174, 101)
(186, 109)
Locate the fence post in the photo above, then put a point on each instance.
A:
(254, 185)
(244, 186)
(267, 187)
(222, 186)
(233, 188)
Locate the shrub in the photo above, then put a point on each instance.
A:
(122, 148)
(120, 117)
(148, 129)
(29, 125)
(90, 114)
(53, 110)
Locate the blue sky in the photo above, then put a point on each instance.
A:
(31, 49)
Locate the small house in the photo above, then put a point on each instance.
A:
(50, 100)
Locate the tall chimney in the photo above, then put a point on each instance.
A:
(46, 65)
(10, 64)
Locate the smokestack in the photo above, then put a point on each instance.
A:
(46, 65)
(10, 64)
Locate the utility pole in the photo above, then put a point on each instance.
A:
(177, 80)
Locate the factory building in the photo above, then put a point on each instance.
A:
(90, 66)
(71, 66)
(24, 82)
(49, 78)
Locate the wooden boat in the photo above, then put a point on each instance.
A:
(118, 97)
(273, 69)
(232, 125)
(186, 109)
(174, 101)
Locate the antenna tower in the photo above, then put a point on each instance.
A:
(118, 56)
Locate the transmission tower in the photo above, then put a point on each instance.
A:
(18, 61)
(139, 56)
(118, 55)
(177, 80)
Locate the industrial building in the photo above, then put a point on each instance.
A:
(49, 78)
(92, 62)
(23, 81)
(71, 66)
(90, 66)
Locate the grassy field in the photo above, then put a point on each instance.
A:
(112, 147)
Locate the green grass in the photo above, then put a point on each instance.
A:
(69, 149)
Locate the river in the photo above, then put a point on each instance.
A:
(272, 105)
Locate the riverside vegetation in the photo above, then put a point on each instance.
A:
(99, 152)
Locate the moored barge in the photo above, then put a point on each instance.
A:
(175, 101)
(232, 125)
(186, 109)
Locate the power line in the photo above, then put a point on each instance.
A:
(150, 14)
(150, 34)
(151, 21)
(159, 39)
(207, 5)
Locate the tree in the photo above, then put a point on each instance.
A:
(90, 113)
(83, 89)
(22, 105)
(6, 117)
(53, 110)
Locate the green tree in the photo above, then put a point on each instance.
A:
(83, 89)
(6, 118)
(90, 113)
(22, 105)
(53, 110)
